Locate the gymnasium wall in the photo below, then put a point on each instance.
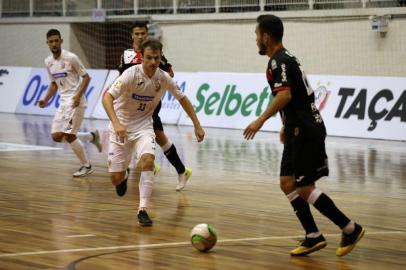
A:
(339, 47)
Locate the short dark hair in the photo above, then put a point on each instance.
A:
(140, 24)
(272, 25)
(153, 44)
(53, 32)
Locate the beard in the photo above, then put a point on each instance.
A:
(262, 49)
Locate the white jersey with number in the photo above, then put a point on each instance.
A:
(136, 96)
(66, 72)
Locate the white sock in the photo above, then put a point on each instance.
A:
(145, 186)
(349, 228)
(313, 235)
(292, 196)
(79, 150)
(314, 195)
(85, 136)
(166, 146)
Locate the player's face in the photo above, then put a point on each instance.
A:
(139, 35)
(54, 43)
(151, 60)
(260, 41)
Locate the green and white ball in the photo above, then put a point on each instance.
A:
(203, 237)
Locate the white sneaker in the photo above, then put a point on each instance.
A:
(183, 178)
(83, 171)
(96, 140)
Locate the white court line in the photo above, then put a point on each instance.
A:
(80, 235)
(174, 244)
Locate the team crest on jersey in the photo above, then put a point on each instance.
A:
(273, 64)
(118, 85)
(157, 86)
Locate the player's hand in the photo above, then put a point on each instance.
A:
(282, 135)
(76, 101)
(42, 103)
(121, 131)
(253, 128)
(199, 133)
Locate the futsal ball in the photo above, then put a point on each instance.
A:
(203, 237)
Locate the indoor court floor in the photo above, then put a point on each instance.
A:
(50, 220)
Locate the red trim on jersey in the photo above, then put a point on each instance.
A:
(281, 88)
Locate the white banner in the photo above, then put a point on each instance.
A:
(365, 107)
(99, 111)
(230, 100)
(36, 86)
(12, 82)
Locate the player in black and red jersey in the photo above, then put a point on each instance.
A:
(131, 57)
(304, 158)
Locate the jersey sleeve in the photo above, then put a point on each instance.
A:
(172, 87)
(120, 85)
(78, 66)
(280, 76)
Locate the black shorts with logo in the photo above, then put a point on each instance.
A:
(305, 158)
(157, 123)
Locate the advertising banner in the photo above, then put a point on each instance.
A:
(12, 82)
(36, 86)
(99, 112)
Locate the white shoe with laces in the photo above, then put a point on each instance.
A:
(183, 178)
(83, 171)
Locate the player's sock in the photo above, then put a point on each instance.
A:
(85, 136)
(80, 152)
(173, 157)
(145, 187)
(326, 206)
(303, 213)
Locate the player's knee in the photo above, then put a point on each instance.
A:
(70, 137)
(147, 162)
(57, 137)
(287, 184)
(305, 191)
(117, 177)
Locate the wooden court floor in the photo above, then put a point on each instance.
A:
(49, 220)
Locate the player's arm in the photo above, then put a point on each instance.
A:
(121, 65)
(52, 89)
(281, 85)
(278, 102)
(81, 91)
(190, 111)
(107, 101)
(166, 66)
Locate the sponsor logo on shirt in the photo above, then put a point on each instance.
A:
(142, 98)
(59, 75)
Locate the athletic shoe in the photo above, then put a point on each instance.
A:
(121, 188)
(143, 219)
(183, 178)
(83, 171)
(157, 168)
(348, 241)
(309, 245)
(96, 140)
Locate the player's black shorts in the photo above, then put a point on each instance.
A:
(305, 158)
(157, 123)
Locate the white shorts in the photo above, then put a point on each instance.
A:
(68, 119)
(120, 154)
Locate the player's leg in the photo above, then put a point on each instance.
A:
(65, 125)
(118, 160)
(92, 137)
(170, 151)
(314, 240)
(145, 147)
(312, 159)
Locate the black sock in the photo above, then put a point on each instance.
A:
(303, 213)
(173, 157)
(327, 207)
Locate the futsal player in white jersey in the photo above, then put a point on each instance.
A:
(65, 69)
(130, 103)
